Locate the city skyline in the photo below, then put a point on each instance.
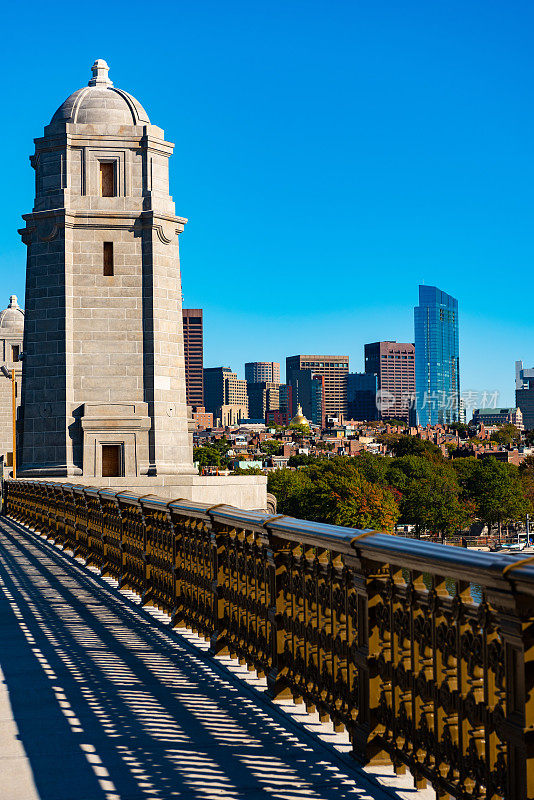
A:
(467, 397)
(418, 166)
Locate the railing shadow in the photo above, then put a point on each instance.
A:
(121, 709)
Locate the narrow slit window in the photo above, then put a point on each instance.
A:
(107, 179)
(108, 258)
(15, 352)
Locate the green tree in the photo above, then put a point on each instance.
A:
(507, 435)
(496, 489)
(411, 446)
(432, 502)
(373, 467)
(214, 454)
(465, 469)
(526, 472)
(301, 460)
(461, 428)
(271, 447)
(303, 430)
(209, 457)
(277, 428)
(430, 495)
(290, 488)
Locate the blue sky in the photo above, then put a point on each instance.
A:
(330, 156)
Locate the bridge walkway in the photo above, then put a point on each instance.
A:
(100, 700)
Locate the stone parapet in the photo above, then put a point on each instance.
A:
(248, 492)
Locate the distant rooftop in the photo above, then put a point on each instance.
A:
(494, 411)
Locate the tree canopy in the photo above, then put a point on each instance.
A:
(271, 447)
(334, 491)
(432, 493)
(212, 455)
(507, 435)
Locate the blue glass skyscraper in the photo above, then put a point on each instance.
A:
(437, 367)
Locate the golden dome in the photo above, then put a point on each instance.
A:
(299, 418)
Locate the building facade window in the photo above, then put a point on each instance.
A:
(108, 259)
(107, 179)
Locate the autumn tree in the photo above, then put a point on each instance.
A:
(334, 491)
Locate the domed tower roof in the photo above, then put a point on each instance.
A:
(299, 418)
(100, 102)
(12, 317)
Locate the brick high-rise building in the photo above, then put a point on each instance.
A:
(334, 370)
(194, 355)
(262, 372)
(394, 364)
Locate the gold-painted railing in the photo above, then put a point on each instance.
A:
(383, 636)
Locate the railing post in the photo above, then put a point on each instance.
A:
(277, 684)
(219, 554)
(513, 719)
(377, 687)
(148, 592)
(111, 534)
(5, 497)
(364, 643)
(525, 700)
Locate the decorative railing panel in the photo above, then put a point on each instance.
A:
(381, 635)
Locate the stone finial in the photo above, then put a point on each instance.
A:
(100, 71)
(13, 302)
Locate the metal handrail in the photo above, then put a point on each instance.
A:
(382, 635)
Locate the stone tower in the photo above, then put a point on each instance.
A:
(11, 335)
(103, 388)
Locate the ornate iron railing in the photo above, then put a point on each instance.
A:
(381, 635)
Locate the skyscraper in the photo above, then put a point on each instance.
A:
(262, 397)
(394, 365)
(362, 388)
(262, 372)
(437, 364)
(308, 391)
(194, 356)
(524, 393)
(334, 370)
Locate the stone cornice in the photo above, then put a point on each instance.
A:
(137, 140)
(50, 221)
